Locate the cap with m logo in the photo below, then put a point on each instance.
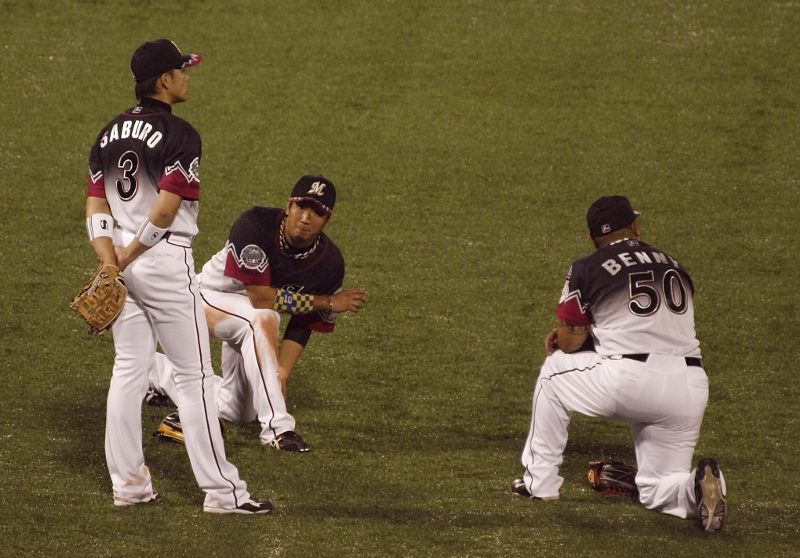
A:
(315, 188)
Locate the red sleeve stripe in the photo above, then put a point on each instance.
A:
(97, 186)
(246, 276)
(177, 181)
(570, 311)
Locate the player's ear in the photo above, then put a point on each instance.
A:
(593, 242)
(163, 81)
(636, 231)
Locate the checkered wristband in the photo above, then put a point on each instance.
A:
(288, 302)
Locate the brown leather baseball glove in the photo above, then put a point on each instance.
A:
(101, 300)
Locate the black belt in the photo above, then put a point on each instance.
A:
(642, 357)
(180, 240)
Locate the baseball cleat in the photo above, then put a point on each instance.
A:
(170, 429)
(711, 506)
(289, 441)
(518, 488)
(154, 499)
(156, 399)
(251, 507)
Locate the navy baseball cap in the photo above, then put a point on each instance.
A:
(609, 214)
(315, 188)
(157, 57)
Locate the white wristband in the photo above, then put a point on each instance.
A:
(149, 234)
(99, 224)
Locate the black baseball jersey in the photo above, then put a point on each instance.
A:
(636, 298)
(253, 256)
(143, 150)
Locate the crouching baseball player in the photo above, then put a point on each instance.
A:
(275, 261)
(645, 370)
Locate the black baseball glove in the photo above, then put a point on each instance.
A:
(613, 477)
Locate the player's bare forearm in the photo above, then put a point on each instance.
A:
(126, 254)
(96, 205)
(570, 337)
(261, 297)
(161, 215)
(102, 245)
(165, 209)
(104, 249)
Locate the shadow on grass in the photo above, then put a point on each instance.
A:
(79, 424)
(404, 438)
(502, 513)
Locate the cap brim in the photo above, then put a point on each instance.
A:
(191, 60)
(324, 208)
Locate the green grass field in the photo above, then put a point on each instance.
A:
(466, 139)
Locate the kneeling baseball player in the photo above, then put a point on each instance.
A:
(635, 302)
(275, 261)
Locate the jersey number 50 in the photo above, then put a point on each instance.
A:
(645, 298)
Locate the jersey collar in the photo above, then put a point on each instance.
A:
(149, 102)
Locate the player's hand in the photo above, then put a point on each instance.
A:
(551, 342)
(350, 300)
(122, 258)
(126, 254)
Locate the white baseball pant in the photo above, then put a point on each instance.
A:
(663, 401)
(164, 303)
(249, 388)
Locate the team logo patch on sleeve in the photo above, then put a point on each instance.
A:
(192, 175)
(251, 257)
(194, 169)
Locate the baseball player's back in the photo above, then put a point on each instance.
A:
(635, 302)
(144, 174)
(145, 149)
(637, 299)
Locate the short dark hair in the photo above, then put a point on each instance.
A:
(619, 234)
(149, 87)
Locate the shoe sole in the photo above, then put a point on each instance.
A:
(529, 497)
(237, 510)
(517, 490)
(169, 434)
(155, 499)
(711, 508)
(293, 449)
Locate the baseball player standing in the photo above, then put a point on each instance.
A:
(144, 174)
(636, 302)
(275, 261)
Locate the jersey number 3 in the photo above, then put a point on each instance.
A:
(127, 185)
(645, 298)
